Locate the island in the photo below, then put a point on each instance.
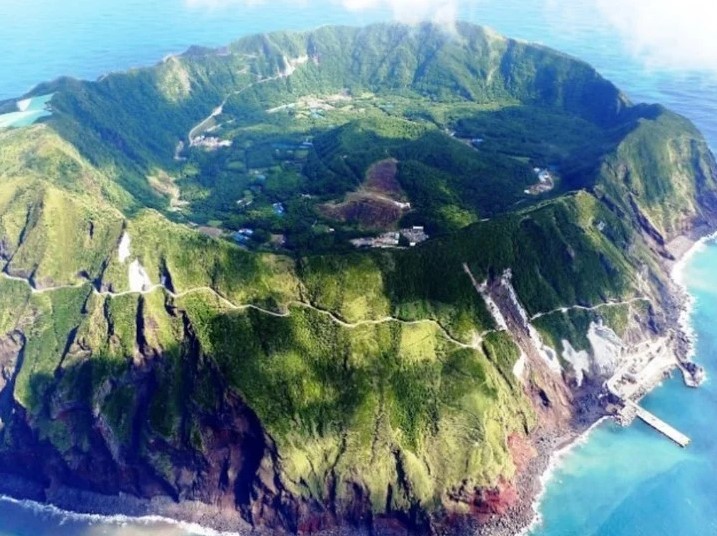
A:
(351, 279)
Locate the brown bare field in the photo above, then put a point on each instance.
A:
(382, 178)
(377, 204)
(365, 210)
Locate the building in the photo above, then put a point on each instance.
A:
(414, 235)
(392, 239)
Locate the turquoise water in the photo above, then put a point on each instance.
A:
(621, 481)
(633, 481)
(29, 111)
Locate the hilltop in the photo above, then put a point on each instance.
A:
(186, 318)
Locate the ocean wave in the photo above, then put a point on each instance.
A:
(678, 275)
(118, 520)
(678, 270)
(557, 459)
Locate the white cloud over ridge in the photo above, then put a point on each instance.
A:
(676, 34)
(409, 11)
(666, 33)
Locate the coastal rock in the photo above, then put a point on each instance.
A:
(286, 382)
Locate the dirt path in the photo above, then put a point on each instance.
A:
(34, 290)
(475, 345)
(199, 127)
(592, 308)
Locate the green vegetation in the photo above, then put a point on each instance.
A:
(311, 366)
(380, 387)
(187, 260)
(55, 316)
(652, 170)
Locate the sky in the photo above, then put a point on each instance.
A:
(675, 34)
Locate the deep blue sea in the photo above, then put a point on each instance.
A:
(619, 482)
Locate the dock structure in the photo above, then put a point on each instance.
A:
(658, 424)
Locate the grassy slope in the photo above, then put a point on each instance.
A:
(557, 253)
(420, 394)
(57, 224)
(191, 260)
(355, 400)
(665, 166)
(366, 404)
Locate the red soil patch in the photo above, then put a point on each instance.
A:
(521, 450)
(382, 178)
(365, 210)
(488, 503)
(377, 204)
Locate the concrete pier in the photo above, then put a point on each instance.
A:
(658, 424)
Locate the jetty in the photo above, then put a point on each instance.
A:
(643, 368)
(658, 424)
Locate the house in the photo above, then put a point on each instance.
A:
(414, 235)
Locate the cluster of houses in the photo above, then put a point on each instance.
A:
(413, 235)
(210, 143)
(244, 237)
(545, 183)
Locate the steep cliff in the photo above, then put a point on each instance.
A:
(298, 384)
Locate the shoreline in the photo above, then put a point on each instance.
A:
(69, 504)
(117, 520)
(555, 461)
(524, 516)
(684, 251)
(677, 274)
(197, 518)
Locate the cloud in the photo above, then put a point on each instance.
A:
(215, 5)
(410, 11)
(677, 34)
(666, 33)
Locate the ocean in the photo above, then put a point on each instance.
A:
(616, 481)
(631, 481)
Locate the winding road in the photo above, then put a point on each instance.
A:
(591, 308)
(475, 345)
(200, 127)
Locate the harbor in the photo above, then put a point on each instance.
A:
(658, 424)
(645, 366)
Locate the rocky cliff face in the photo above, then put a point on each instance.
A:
(145, 367)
